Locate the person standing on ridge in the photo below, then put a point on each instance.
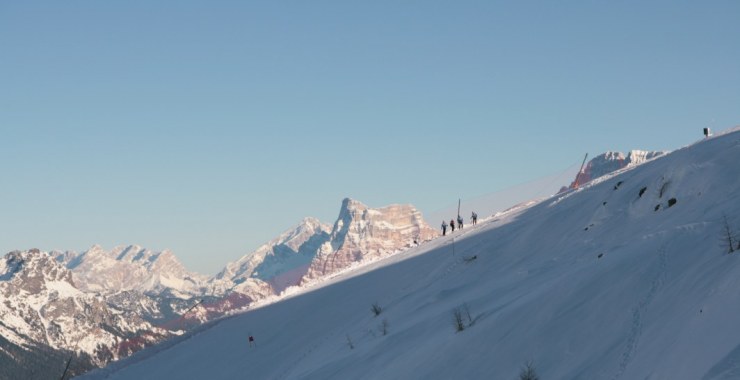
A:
(459, 222)
(444, 228)
(474, 218)
(452, 225)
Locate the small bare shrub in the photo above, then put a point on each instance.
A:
(461, 318)
(528, 372)
(727, 235)
(457, 317)
(376, 309)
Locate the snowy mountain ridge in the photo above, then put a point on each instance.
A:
(133, 268)
(289, 251)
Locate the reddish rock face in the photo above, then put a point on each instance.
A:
(363, 233)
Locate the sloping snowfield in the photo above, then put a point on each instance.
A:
(592, 284)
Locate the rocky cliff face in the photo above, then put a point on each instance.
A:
(312, 249)
(363, 233)
(612, 161)
(41, 306)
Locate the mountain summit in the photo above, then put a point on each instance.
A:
(282, 261)
(134, 268)
(312, 250)
(363, 233)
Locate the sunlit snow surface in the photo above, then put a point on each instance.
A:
(592, 284)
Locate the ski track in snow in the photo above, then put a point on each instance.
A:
(637, 314)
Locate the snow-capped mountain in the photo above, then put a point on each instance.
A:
(363, 233)
(41, 306)
(282, 261)
(313, 250)
(609, 162)
(156, 296)
(133, 268)
(634, 275)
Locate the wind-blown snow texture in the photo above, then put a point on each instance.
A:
(590, 284)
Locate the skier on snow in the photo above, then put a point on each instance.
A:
(444, 228)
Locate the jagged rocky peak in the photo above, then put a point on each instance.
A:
(128, 267)
(136, 254)
(280, 262)
(312, 249)
(391, 223)
(297, 236)
(32, 269)
(42, 305)
(63, 257)
(362, 232)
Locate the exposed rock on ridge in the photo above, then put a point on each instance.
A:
(362, 233)
(608, 162)
(41, 305)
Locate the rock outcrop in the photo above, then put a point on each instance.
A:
(363, 233)
(609, 162)
(41, 306)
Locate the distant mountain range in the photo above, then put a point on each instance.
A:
(105, 305)
(43, 310)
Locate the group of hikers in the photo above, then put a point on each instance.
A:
(473, 219)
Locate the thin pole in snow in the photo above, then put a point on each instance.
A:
(575, 183)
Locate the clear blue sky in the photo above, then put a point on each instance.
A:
(210, 127)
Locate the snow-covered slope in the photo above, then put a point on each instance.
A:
(624, 278)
